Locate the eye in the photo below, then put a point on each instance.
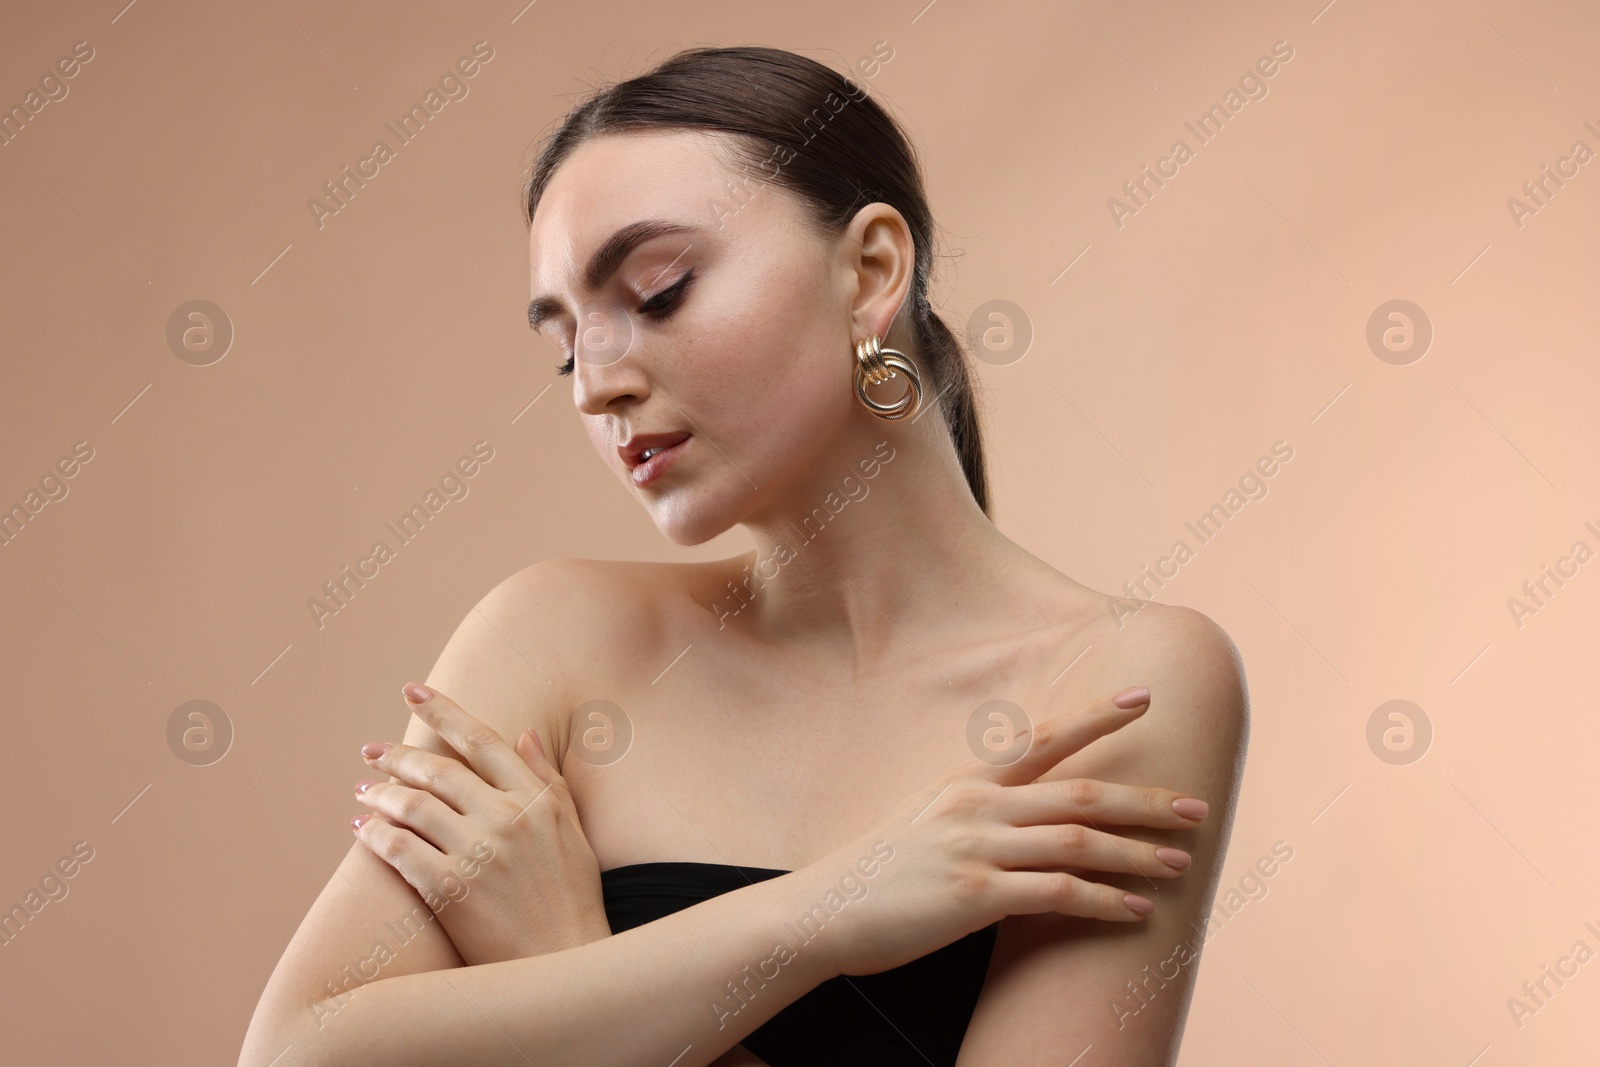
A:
(566, 367)
(665, 302)
(659, 306)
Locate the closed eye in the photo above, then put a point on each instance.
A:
(660, 307)
(665, 302)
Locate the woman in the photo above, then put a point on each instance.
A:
(838, 799)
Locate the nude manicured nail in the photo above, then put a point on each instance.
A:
(1132, 698)
(355, 823)
(1138, 904)
(1191, 808)
(415, 693)
(365, 784)
(374, 749)
(1175, 858)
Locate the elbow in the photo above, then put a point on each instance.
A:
(279, 1039)
(311, 1037)
(265, 1040)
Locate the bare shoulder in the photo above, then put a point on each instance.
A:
(570, 603)
(509, 661)
(1193, 668)
(1184, 656)
(554, 634)
(1196, 731)
(572, 576)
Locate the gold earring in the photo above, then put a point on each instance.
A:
(875, 365)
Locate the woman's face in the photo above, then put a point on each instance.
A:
(729, 329)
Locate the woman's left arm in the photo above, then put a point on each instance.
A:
(1058, 986)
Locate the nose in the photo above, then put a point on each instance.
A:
(609, 371)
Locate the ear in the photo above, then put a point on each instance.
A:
(880, 257)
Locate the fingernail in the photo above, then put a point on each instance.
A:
(415, 693)
(364, 785)
(1175, 858)
(536, 742)
(355, 823)
(374, 749)
(1191, 808)
(1138, 904)
(1132, 698)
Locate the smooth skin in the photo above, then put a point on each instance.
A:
(787, 734)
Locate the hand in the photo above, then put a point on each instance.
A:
(492, 843)
(987, 842)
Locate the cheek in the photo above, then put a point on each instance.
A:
(775, 403)
(778, 351)
(758, 385)
(770, 332)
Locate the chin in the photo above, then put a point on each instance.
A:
(686, 519)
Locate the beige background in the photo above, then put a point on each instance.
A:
(1229, 313)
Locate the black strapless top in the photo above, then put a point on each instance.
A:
(914, 1015)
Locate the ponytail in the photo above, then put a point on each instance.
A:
(954, 386)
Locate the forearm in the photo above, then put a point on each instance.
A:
(681, 990)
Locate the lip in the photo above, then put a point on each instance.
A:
(646, 471)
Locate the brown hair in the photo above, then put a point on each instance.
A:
(839, 152)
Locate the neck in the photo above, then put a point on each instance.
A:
(881, 545)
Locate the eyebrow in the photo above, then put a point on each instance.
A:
(604, 263)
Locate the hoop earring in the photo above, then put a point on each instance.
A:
(876, 364)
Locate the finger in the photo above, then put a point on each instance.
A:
(480, 745)
(419, 811)
(1093, 802)
(531, 749)
(442, 776)
(1038, 892)
(1057, 848)
(1053, 740)
(419, 863)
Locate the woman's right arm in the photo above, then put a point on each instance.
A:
(681, 990)
(369, 926)
(369, 923)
